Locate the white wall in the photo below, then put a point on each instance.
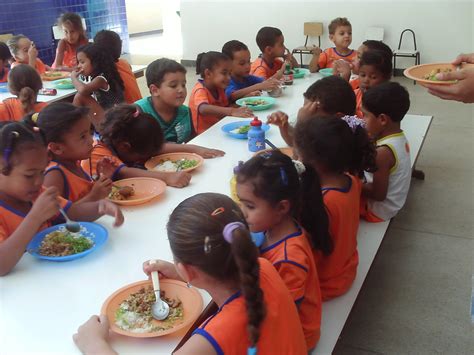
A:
(443, 28)
(136, 19)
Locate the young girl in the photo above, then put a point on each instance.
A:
(208, 101)
(329, 96)
(129, 139)
(67, 131)
(24, 82)
(101, 80)
(212, 250)
(274, 201)
(24, 52)
(74, 37)
(112, 43)
(5, 56)
(338, 150)
(25, 206)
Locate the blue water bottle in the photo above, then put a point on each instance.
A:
(256, 136)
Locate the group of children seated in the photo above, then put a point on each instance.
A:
(269, 296)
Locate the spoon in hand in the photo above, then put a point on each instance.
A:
(71, 226)
(160, 309)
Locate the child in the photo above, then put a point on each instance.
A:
(270, 40)
(340, 33)
(330, 96)
(212, 250)
(24, 52)
(375, 68)
(241, 82)
(5, 56)
(103, 81)
(208, 101)
(67, 131)
(23, 82)
(386, 191)
(111, 42)
(166, 80)
(292, 215)
(338, 151)
(25, 207)
(74, 37)
(129, 139)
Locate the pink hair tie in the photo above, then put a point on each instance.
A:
(229, 229)
(136, 113)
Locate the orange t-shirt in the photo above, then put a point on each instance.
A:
(39, 66)
(75, 187)
(337, 271)
(10, 218)
(69, 56)
(293, 258)
(280, 331)
(4, 75)
(358, 93)
(202, 95)
(262, 69)
(99, 152)
(131, 92)
(329, 55)
(355, 83)
(11, 109)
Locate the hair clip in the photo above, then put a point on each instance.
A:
(299, 166)
(136, 113)
(218, 211)
(207, 245)
(229, 229)
(283, 176)
(34, 117)
(353, 122)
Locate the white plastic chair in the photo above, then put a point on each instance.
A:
(406, 52)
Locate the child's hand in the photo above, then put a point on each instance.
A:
(101, 188)
(241, 112)
(111, 209)
(107, 167)
(207, 153)
(308, 110)
(342, 68)
(279, 119)
(271, 84)
(288, 56)
(166, 270)
(316, 51)
(91, 337)
(32, 51)
(178, 179)
(46, 205)
(254, 93)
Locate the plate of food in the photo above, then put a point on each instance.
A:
(54, 75)
(426, 73)
(326, 71)
(56, 243)
(173, 162)
(129, 308)
(256, 103)
(240, 129)
(299, 73)
(135, 191)
(63, 84)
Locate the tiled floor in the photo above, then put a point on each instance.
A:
(416, 298)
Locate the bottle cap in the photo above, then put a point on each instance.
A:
(256, 122)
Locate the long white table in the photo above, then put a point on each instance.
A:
(138, 70)
(43, 303)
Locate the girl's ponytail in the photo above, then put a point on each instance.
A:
(198, 62)
(27, 98)
(25, 82)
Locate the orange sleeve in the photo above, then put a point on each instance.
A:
(294, 275)
(358, 93)
(131, 92)
(40, 67)
(3, 233)
(4, 116)
(323, 60)
(200, 97)
(258, 69)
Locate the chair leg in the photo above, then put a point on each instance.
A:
(301, 59)
(394, 64)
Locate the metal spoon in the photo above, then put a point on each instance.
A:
(71, 226)
(160, 309)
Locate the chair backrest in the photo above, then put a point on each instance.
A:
(374, 33)
(5, 37)
(401, 37)
(58, 31)
(313, 29)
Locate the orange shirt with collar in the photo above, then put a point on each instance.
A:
(201, 95)
(75, 187)
(330, 55)
(280, 331)
(39, 66)
(263, 70)
(358, 93)
(337, 271)
(131, 91)
(100, 151)
(11, 109)
(293, 259)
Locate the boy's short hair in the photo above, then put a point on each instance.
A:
(334, 94)
(389, 98)
(110, 41)
(372, 44)
(157, 70)
(4, 52)
(267, 37)
(337, 22)
(233, 46)
(382, 61)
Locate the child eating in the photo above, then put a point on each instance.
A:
(24, 52)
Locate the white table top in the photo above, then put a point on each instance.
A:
(62, 94)
(43, 303)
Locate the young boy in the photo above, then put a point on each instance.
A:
(340, 33)
(4, 58)
(270, 40)
(375, 68)
(111, 42)
(241, 82)
(386, 190)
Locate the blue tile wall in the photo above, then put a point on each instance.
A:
(35, 18)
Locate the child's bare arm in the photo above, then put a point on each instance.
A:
(90, 211)
(60, 54)
(192, 148)
(377, 189)
(314, 63)
(87, 88)
(280, 119)
(178, 179)
(206, 109)
(55, 178)
(268, 85)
